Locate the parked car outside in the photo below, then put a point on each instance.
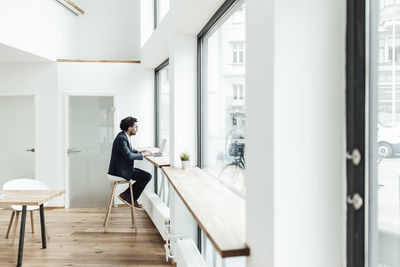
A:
(388, 139)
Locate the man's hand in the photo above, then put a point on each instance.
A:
(146, 152)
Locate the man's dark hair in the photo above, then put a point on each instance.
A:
(127, 122)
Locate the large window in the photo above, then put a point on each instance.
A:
(223, 102)
(162, 122)
(222, 107)
(384, 131)
(387, 127)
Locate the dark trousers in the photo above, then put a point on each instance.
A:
(142, 178)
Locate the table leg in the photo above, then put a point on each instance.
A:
(21, 237)
(42, 226)
(169, 193)
(161, 189)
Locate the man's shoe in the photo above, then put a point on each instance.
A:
(138, 206)
(124, 199)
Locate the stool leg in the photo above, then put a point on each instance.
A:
(132, 207)
(109, 206)
(10, 224)
(33, 229)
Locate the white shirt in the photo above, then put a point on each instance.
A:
(129, 139)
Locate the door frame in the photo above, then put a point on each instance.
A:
(68, 94)
(36, 123)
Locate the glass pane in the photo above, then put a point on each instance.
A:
(163, 124)
(223, 135)
(163, 106)
(91, 132)
(388, 134)
(16, 136)
(163, 8)
(213, 258)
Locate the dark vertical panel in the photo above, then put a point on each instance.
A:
(156, 118)
(355, 122)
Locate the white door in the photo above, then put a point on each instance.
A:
(17, 138)
(90, 137)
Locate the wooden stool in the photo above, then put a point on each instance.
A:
(118, 180)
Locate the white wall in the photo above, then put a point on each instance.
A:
(296, 112)
(40, 78)
(183, 98)
(183, 123)
(41, 27)
(260, 133)
(108, 30)
(134, 86)
(146, 20)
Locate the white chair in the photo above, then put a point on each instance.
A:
(115, 181)
(22, 184)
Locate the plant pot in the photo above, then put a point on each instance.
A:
(185, 164)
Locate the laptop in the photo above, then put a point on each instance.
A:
(160, 154)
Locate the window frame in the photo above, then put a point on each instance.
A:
(157, 70)
(237, 50)
(155, 7)
(156, 13)
(225, 7)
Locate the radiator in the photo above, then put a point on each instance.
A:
(187, 254)
(157, 210)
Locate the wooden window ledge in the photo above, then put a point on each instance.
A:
(219, 212)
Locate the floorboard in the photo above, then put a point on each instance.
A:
(77, 239)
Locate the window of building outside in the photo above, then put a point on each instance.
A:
(385, 3)
(238, 93)
(396, 48)
(163, 111)
(381, 50)
(388, 133)
(238, 52)
(224, 107)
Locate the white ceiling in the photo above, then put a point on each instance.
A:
(9, 54)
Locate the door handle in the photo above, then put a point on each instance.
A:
(31, 150)
(356, 201)
(355, 156)
(72, 151)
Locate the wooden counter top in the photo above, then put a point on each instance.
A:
(159, 162)
(28, 197)
(219, 212)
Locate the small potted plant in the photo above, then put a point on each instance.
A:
(185, 160)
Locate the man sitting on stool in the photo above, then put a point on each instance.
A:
(122, 162)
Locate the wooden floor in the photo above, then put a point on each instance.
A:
(77, 239)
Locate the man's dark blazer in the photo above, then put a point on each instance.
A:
(122, 157)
